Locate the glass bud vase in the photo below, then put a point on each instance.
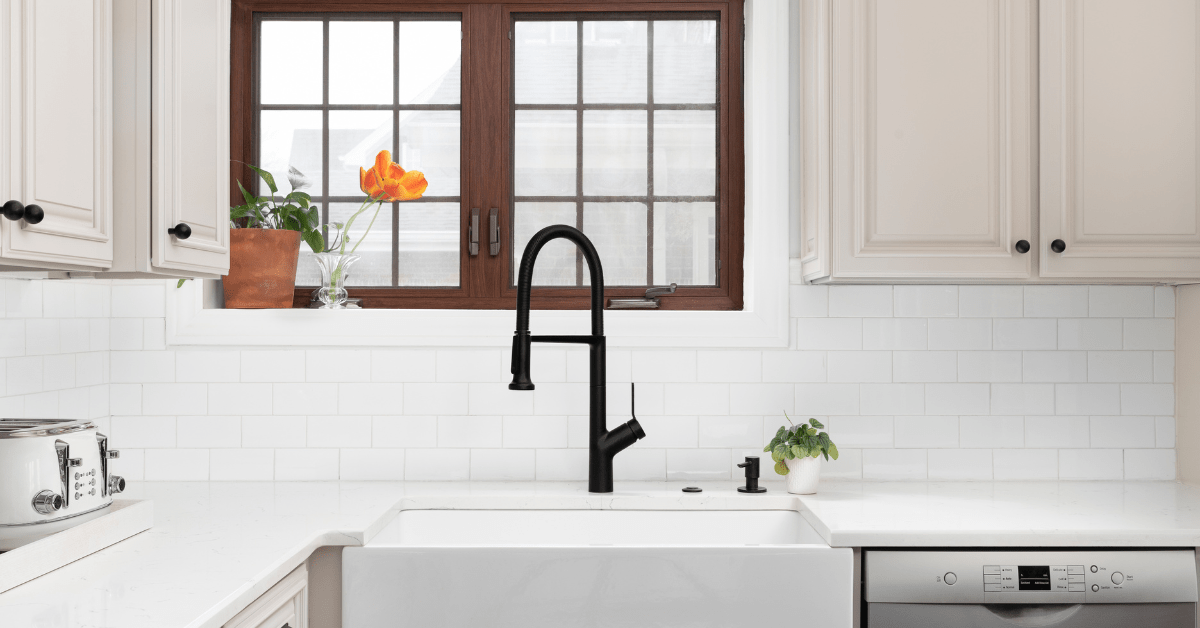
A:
(335, 267)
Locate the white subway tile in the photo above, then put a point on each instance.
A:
(1120, 366)
(558, 399)
(1090, 464)
(926, 431)
(1022, 398)
(639, 465)
(91, 300)
(924, 366)
(1164, 431)
(13, 407)
(1055, 366)
(207, 366)
(731, 431)
(505, 465)
(131, 465)
(74, 335)
(426, 465)
(59, 372)
(1164, 367)
(793, 366)
(860, 366)
(1119, 432)
(1089, 334)
(848, 465)
(12, 341)
(480, 365)
(535, 432)
(241, 465)
(895, 334)
(125, 334)
(991, 432)
(470, 431)
(1025, 464)
(403, 365)
(139, 367)
(141, 432)
(496, 399)
(695, 399)
(58, 299)
(98, 332)
(282, 366)
(1024, 333)
(829, 334)
(154, 334)
(371, 464)
(1156, 399)
(306, 465)
(895, 464)
(1056, 301)
(578, 431)
(547, 363)
(771, 399)
(405, 432)
(957, 399)
(340, 431)
(926, 301)
(337, 365)
(275, 431)
(371, 398)
(73, 403)
(1120, 301)
(954, 334)
(668, 431)
(41, 405)
(862, 432)
(806, 301)
(124, 398)
(176, 465)
(729, 366)
(860, 301)
(562, 465)
(960, 464)
(990, 301)
(649, 399)
(1057, 432)
(427, 398)
(618, 366)
(239, 399)
(827, 399)
(138, 301)
(701, 465)
(208, 432)
(664, 366)
(98, 406)
(42, 336)
(892, 399)
(175, 399)
(989, 366)
(23, 298)
(1150, 333)
(1164, 301)
(1149, 464)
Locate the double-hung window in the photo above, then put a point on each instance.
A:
(622, 121)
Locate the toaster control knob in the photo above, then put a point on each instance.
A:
(116, 484)
(47, 502)
(75, 462)
(114, 453)
(78, 495)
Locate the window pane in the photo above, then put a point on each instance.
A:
(614, 153)
(556, 261)
(355, 137)
(428, 244)
(360, 63)
(685, 153)
(546, 62)
(685, 61)
(430, 62)
(375, 266)
(614, 62)
(544, 154)
(290, 63)
(685, 244)
(429, 142)
(289, 138)
(619, 232)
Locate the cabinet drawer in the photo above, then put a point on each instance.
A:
(285, 605)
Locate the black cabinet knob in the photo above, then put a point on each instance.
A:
(181, 231)
(1058, 246)
(1022, 246)
(14, 210)
(34, 214)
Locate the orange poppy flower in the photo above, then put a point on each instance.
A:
(387, 181)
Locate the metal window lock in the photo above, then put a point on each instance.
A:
(650, 302)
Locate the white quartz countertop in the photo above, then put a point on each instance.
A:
(215, 547)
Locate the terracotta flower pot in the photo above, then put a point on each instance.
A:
(262, 268)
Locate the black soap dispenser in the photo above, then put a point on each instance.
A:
(751, 467)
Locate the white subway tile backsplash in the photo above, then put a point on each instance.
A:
(208, 366)
(470, 431)
(306, 465)
(1150, 333)
(826, 399)
(1022, 399)
(1120, 366)
(960, 464)
(177, 465)
(273, 366)
(669, 431)
(895, 464)
(496, 399)
(137, 367)
(403, 365)
(208, 432)
(1164, 301)
(1117, 432)
(762, 399)
(239, 399)
(1057, 432)
(1164, 367)
(990, 301)
(1149, 464)
(926, 431)
(1086, 398)
(664, 366)
(1090, 464)
(638, 464)
(895, 334)
(535, 432)
(860, 366)
(561, 465)
(12, 341)
(989, 366)
(1054, 366)
(991, 432)
(693, 399)
(429, 398)
(862, 432)
(125, 334)
(122, 398)
(275, 432)
(425, 465)
(558, 399)
(848, 465)
(483, 365)
(404, 432)
(154, 335)
(371, 464)
(731, 431)
(924, 366)
(960, 334)
(503, 464)
(793, 366)
(957, 398)
(74, 336)
(1164, 432)
(1089, 333)
(339, 431)
(702, 465)
(729, 366)
(860, 301)
(1121, 301)
(58, 299)
(240, 465)
(138, 301)
(897, 399)
(1156, 399)
(371, 398)
(59, 372)
(925, 301)
(1024, 333)
(143, 432)
(42, 336)
(337, 365)
(1056, 301)
(1025, 464)
(836, 334)
(175, 399)
(807, 301)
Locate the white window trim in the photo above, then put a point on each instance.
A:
(762, 324)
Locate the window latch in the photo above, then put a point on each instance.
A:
(650, 302)
(494, 231)
(473, 233)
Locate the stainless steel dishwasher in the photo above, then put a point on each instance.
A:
(1046, 589)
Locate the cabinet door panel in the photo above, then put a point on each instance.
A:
(931, 138)
(1119, 138)
(191, 134)
(59, 97)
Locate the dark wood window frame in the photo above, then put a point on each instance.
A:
(487, 140)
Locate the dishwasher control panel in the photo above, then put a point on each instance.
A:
(1030, 577)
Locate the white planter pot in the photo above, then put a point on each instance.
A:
(803, 475)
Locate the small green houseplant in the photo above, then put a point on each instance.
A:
(797, 452)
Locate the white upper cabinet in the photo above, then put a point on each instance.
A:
(56, 133)
(1119, 139)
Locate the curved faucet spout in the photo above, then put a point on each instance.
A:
(525, 273)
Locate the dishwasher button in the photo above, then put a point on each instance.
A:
(1118, 577)
(950, 578)
(1095, 587)
(991, 579)
(1076, 587)
(992, 588)
(1074, 569)
(991, 569)
(1093, 569)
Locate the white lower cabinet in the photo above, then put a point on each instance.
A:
(285, 605)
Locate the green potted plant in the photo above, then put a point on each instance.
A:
(797, 452)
